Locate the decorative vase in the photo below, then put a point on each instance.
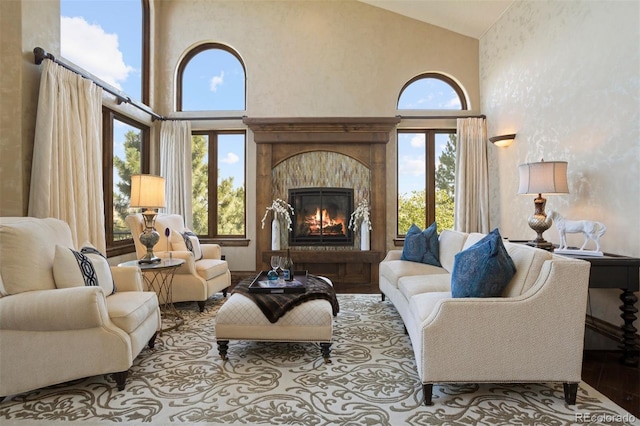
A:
(365, 238)
(275, 232)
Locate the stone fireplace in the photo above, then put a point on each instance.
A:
(321, 216)
(344, 153)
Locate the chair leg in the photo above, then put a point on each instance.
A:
(201, 305)
(223, 345)
(121, 379)
(326, 352)
(382, 296)
(224, 292)
(152, 341)
(427, 389)
(570, 393)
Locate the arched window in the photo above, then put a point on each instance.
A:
(211, 77)
(432, 91)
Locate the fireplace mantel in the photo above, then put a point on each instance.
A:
(361, 138)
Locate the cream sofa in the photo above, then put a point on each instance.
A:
(198, 279)
(52, 332)
(533, 333)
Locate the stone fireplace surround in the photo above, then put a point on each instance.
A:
(363, 139)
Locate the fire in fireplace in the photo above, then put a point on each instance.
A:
(321, 216)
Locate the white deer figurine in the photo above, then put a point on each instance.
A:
(590, 229)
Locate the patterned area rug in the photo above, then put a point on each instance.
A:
(372, 380)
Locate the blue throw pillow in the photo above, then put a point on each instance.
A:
(422, 246)
(482, 270)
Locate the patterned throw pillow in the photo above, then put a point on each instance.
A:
(192, 243)
(87, 267)
(422, 246)
(482, 270)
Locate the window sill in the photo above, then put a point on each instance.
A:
(226, 242)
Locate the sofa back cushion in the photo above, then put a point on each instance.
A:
(528, 261)
(27, 250)
(451, 242)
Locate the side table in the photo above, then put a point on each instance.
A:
(159, 276)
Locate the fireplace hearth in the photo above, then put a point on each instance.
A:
(321, 216)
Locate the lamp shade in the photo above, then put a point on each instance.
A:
(147, 191)
(548, 177)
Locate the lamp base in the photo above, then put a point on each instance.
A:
(149, 237)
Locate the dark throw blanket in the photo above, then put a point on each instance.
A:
(274, 306)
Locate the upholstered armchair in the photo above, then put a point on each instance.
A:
(66, 314)
(204, 272)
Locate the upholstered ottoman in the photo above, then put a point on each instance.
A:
(239, 318)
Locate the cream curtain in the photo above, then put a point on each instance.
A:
(66, 173)
(472, 181)
(175, 167)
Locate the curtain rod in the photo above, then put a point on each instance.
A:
(40, 54)
(434, 117)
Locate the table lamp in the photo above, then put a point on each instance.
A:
(147, 192)
(549, 177)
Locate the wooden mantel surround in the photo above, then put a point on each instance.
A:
(361, 138)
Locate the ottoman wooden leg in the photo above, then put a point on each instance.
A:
(326, 352)
(223, 345)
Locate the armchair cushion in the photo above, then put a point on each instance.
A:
(483, 270)
(211, 268)
(129, 310)
(186, 240)
(421, 246)
(76, 269)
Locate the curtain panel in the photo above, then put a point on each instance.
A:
(66, 172)
(175, 167)
(472, 177)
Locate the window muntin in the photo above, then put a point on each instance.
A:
(105, 40)
(218, 183)
(126, 152)
(211, 78)
(432, 91)
(426, 178)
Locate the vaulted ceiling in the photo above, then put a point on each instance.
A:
(469, 17)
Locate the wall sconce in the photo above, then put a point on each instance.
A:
(503, 141)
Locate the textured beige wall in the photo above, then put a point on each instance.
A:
(565, 77)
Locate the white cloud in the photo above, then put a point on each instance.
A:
(453, 103)
(412, 166)
(91, 48)
(216, 81)
(230, 158)
(418, 141)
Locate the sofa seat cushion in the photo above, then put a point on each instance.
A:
(211, 268)
(129, 309)
(393, 270)
(421, 305)
(416, 284)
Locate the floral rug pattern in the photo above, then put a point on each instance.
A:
(371, 380)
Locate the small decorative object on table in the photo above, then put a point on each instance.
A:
(281, 209)
(590, 229)
(360, 220)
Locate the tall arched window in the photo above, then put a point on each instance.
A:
(432, 91)
(211, 77)
(426, 156)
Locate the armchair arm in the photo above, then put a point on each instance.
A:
(537, 334)
(74, 308)
(189, 268)
(127, 278)
(211, 251)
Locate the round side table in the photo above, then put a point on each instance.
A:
(159, 277)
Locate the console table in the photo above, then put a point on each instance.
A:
(615, 271)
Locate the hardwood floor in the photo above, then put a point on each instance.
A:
(600, 369)
(621, 384)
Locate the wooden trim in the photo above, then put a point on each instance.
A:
(608, 330)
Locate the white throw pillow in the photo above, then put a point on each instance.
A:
(87, 267)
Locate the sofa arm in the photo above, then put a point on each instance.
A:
(393, 255)
(127, 278)
(211, 251)
(62, 309)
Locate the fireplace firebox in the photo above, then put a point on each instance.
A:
(321, 216)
